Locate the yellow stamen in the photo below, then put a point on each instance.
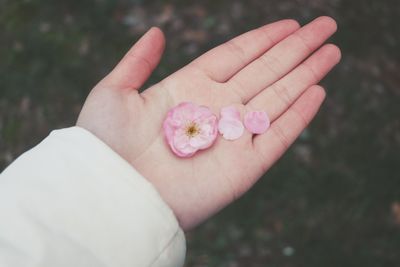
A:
(192, 129)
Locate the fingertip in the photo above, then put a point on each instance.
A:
(327, 21)
(292, 23)
(289, 23)
(156, 38)
(138, 63)
(336, 51)
(333, 51)
(155, 29)
(318, 92)
(157, 32)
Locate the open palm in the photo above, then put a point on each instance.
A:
(273, 68)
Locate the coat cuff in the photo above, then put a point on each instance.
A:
(74, 197)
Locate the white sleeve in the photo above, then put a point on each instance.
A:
(72, 201)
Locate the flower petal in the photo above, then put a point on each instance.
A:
(230, 112)
(199, 141)
(231, 129)
(180, 145)
(202, 112)
(256, 122)
(230, 125)
(183, 112)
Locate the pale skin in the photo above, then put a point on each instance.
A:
(275, 68)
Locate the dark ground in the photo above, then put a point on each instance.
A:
(333, 200)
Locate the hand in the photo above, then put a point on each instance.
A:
(273, 68)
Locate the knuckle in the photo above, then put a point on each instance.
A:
(271, 63)
(236, 50)
(299, 38)
(142, 62)
(267, 36)
(299, 117)
(282, 93)
(280, 134)
(313, 75)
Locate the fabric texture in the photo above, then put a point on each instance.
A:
(72, 201)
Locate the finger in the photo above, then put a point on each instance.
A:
(280, 59)
(138, 63)
(225, 60)
(279, 96)
(270, 146)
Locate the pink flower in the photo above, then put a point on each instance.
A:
(189, 128)
(256, 122)
(230, 125)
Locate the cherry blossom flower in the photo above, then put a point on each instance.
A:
(256, 122)
(189, 128)
(230, 124)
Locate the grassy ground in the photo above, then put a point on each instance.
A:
(333, 200)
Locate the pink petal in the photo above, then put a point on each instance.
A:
(231, 129)
(182, 113)
(199, 141)
(180, 145)
(230, 112)
(256, 122)
(230, 125)
(208, 132)
(210, 120)
(202, 112)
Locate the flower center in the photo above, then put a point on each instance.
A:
(192, 129)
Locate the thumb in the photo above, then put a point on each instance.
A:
(137, 65)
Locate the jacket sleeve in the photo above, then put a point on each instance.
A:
(72, 201)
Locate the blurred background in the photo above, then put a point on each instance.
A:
(332, 200)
